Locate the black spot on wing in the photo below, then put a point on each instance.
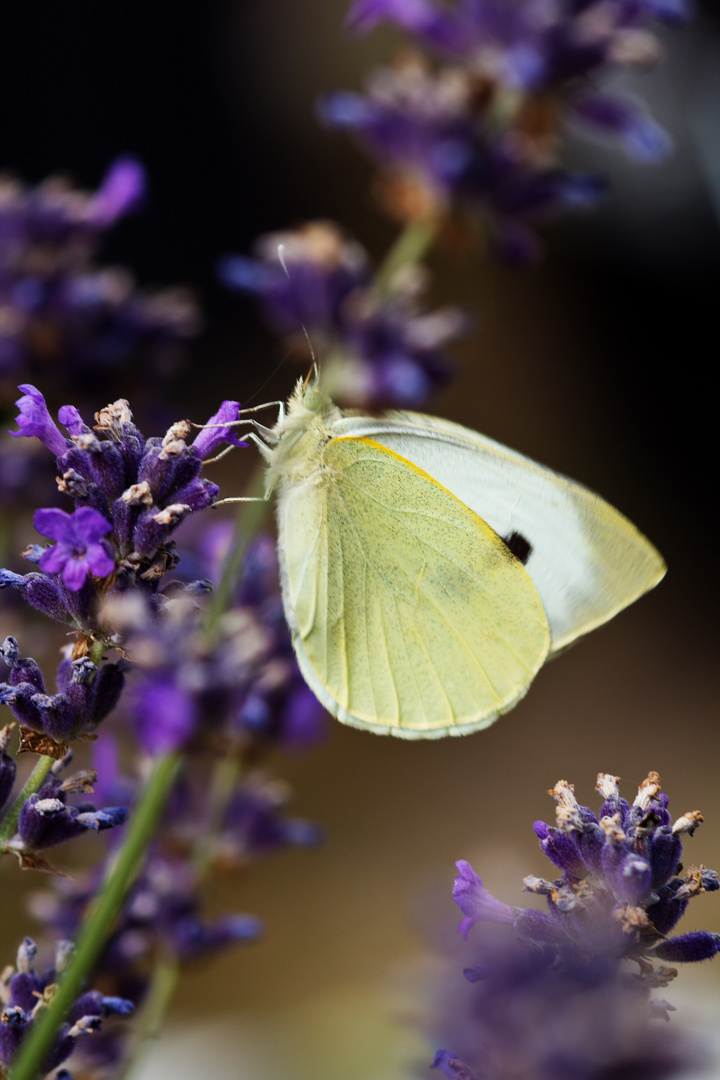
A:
(519, 545)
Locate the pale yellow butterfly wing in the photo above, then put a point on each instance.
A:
(587, 560)
(408, 614)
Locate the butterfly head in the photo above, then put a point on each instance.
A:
(302, 433)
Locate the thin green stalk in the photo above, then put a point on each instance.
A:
(410, 248)
(160, 992)
(247, 524)
(101, 916)
(222, 787)
(33, 784)
(97, 651)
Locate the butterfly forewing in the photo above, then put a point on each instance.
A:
(408, 613)
(586, 559)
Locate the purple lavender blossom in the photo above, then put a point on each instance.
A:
(85, 694)
(519, 1015)
(138, 490)
(54, 815)
(218, 430)
(255, 823)
(476, 902)
(566, 992)
(527, 44)
(60, 312)
(620, 894)
(78, 551)
(276, 704)
(46, 821)
(485, 130)
(246, 687)
(25, 993)
(163, 915)
(378, 349)
(35, 421)
(441, 150)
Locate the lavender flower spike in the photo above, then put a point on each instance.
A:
(78, 551)
(35, 420)
(475, 901)
(212, 435)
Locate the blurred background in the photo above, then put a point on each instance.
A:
(598, 363)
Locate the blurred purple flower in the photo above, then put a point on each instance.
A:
(441, 149)
(620, 894)
(552, 993)
(530, 43)
(121, 192)
(80, 324)
(484, 131)
(25, 994)
(379, 349)
(78, 551)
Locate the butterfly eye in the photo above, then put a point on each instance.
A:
(315, 401)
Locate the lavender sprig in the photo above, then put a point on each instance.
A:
(379, 347)
(62, 314)
(483, 131)
(235, 681)
(569, 991)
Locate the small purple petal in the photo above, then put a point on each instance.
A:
(53, 560)
(35, 420)
(74, 573)
(89, 525)
(610, 115)
(72, 420)
(52, 522)
(121, 191)
(698, 945)
(213, 436)
(99, 561)
(107, 818)
(117, 1006)
(9, 580)
(475, 901)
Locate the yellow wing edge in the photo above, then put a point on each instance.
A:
(333, 706)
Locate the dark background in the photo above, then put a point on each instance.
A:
(600, 363)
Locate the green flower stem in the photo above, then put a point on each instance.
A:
(223, 785)
(159, 995)
(100, 917)
(248, 523)
(97, 651)
(410, 248)
(33, 784)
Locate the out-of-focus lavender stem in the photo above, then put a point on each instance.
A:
(409, 249)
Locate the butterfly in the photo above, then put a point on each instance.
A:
(427, 571)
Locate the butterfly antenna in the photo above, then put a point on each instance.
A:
(314, 369)
(270, 377)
